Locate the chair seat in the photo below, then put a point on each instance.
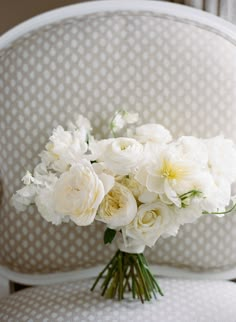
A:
(184, 301)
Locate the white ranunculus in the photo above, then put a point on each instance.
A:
(78, 193)
(119, 155)
(152, 221)
(118, 207)
(151, 133)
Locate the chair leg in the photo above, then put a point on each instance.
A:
(14, 287)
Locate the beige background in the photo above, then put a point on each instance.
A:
(13, 12)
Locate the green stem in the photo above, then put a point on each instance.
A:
(137, 286)
(103, 271)
(128, 272)
(111, 272)
(143, 283)
(219, 213)
(151, 276)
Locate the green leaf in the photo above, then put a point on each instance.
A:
(109, 235)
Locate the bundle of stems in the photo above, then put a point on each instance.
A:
(128, 273)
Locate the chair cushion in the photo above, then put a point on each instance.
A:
(184, 300)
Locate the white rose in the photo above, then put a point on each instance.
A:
(118, 207)
(78, 193)
(152, 221)
(119, 155)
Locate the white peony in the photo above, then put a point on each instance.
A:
(78, 193)
(119, 155)
(152, 221)
(118, 207)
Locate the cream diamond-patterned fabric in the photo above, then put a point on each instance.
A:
(180, 74)
(184, 301)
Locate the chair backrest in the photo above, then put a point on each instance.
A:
(173, 65)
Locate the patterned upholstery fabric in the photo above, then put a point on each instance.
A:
(184, 301)
(180, 74)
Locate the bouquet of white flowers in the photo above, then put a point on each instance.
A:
(143, 186)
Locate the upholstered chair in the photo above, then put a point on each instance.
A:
(173, 65)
